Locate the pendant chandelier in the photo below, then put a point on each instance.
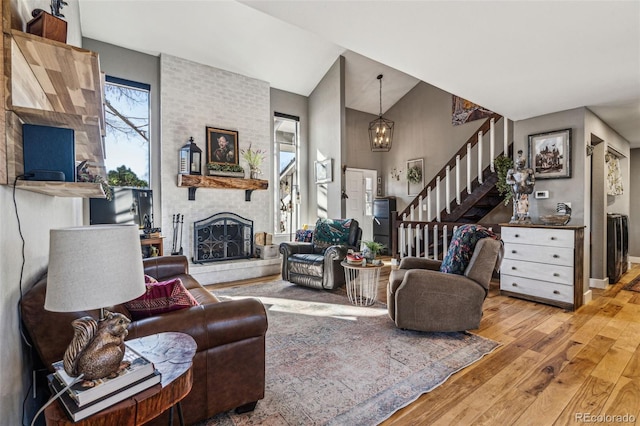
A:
(381, 129)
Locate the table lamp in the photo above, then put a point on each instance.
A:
(93, 267)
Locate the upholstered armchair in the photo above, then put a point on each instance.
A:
(420, 297)
(317, 264)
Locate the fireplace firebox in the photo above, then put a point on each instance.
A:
(222, 236)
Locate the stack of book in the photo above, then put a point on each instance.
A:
(80, 401)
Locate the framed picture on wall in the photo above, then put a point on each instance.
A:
(415, 176)
(222, 146)
(324, 171)
(550, 154)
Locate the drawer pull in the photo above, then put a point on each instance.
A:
(514, 284)
(553, 238)
(513, 268)
(555, 274)
(517, 235)
(556, 292)
(513, 251)
(555, 256)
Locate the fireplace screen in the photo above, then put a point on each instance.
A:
(223, 236)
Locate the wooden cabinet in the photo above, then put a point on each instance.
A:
(543, 264)
(52, 84)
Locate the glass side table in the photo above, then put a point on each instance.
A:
(362, 283)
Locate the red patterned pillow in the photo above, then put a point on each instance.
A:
(161, 297)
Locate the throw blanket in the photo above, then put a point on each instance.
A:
(461, 248)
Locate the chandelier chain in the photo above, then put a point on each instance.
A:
(380, 95)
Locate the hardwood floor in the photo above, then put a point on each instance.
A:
(554, 366)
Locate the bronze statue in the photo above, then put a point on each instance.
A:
(521, 180)
(97, 347)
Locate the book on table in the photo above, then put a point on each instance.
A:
(139, 368)
(77, 413)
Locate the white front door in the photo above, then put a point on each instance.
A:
(359, 204)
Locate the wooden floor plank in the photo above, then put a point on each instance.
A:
(624, 401)
(590, 398)
(550, 403)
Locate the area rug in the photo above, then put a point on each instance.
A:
(331, 363)
(634, 285)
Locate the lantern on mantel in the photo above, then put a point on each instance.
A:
(190, 159)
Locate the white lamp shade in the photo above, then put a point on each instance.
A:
(93, 267)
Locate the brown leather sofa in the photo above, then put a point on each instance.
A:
(229, 365)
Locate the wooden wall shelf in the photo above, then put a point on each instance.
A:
(63, 189)
(194, 182)
(51, 84)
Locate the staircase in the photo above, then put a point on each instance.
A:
(433, 215)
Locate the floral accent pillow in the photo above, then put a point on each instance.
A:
(161, 297)
(304, 235)
(330, 232)
(463, 243)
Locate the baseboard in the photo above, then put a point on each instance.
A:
(633, 259)
(598, 282)
(587, 297)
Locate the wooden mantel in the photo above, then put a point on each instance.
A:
(194, 182)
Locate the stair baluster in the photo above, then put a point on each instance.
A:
(492, 143)
(447, 186)
(479, 148)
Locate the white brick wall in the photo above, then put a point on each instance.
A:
(194, 96)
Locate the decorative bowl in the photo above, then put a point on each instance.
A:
(555, 219)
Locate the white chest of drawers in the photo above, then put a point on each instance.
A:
(543, 264)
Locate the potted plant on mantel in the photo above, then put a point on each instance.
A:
(254, 158)
(228, 170)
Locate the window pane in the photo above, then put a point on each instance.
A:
(288, 197)
(127, 133)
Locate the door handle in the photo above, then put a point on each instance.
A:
(376, 219)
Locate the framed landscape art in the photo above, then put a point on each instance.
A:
(550, 154)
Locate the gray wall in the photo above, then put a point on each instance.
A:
(293, 104)
(38, 215)
(422, 129)
(560, 190)
(585, 189)
(326, 136)
(634, 204)
(119, 62)
(359, 154)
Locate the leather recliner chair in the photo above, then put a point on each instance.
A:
(317, 264)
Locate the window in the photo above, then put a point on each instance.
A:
(285, 129)
(127, 133)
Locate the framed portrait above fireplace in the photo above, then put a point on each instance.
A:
(222, 146)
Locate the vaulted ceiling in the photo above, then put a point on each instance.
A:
(519, 58)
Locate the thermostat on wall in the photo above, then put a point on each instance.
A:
(542, 194)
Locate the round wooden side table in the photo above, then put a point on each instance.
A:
(171, 353)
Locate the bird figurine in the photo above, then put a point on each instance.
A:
(97, 347)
